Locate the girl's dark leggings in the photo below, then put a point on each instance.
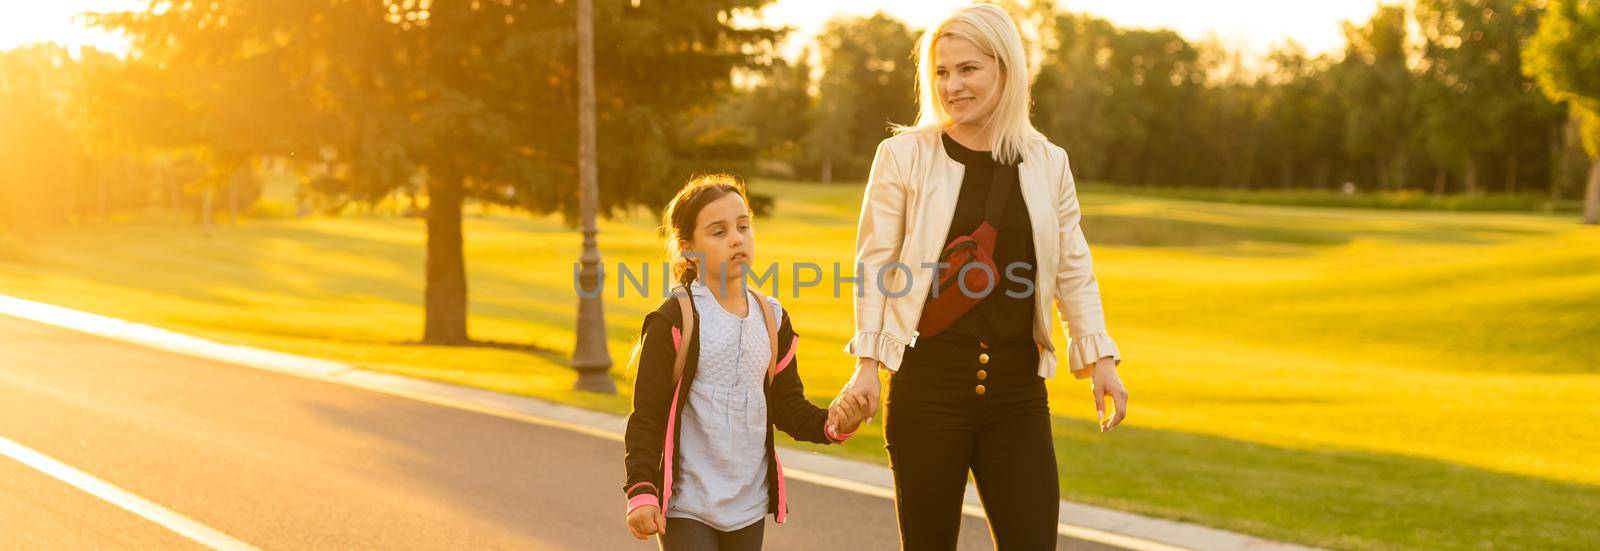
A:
(684, 534)
(965, 405)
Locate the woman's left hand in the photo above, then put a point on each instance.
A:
(1106, 383)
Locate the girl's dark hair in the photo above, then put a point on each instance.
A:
(679, 217)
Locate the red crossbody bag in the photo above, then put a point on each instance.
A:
(967, 263)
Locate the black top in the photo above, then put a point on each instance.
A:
(999, 318)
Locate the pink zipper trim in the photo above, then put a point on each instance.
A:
(672, 425)
(666, 454)
(783, 494)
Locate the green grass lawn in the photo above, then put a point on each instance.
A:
(1338, 377)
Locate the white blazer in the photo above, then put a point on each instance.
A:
(905, 216)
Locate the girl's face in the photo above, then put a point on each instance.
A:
(968, 81)
(724, 242)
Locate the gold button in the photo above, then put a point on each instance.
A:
(982, 374)
(983, 358)
(980, 390)
(983, 345)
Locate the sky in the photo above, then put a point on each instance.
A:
(1251, 26)
(28, 21)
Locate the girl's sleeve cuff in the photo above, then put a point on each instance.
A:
(836, 437)
(642, 500)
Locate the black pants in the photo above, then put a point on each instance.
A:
(685, 534)
(947, 412)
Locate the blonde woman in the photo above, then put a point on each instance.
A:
(969, 233)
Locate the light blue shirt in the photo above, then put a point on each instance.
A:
(722, 478)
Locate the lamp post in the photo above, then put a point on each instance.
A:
(589, 357)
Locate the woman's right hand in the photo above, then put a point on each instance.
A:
(646, 520)
(865, 385)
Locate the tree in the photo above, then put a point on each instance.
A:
(1302, 113)
(58, 162)
(471, 99)
(1073, 96)
(658, 67)
(1475, 98)
(777, 112)
(1377, 86)
(1231, 107)
(1564, 57)
(36, 140)
(1121, 99)
(868, 83)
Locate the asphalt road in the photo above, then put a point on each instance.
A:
(281, 462)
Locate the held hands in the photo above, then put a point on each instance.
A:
(846, 413)
(864, 385)
(646, 520)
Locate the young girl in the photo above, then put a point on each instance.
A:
(702, 470)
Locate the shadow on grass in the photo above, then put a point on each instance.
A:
(1151, 231)
(475, 343)
(1159, 231)
(1328, 497)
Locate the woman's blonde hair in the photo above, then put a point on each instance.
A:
(992, 30)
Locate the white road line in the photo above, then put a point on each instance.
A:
(200, 533)
(1071, 531)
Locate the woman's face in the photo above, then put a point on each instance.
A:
(967, 80)
(724, 241)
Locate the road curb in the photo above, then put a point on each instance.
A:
(1076, 520)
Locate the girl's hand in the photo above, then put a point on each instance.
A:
(645, 521)
(1103, 383)
(847, 412)
(864, 384)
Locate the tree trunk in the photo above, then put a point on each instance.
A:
(205, 206)
(445, 291)
(1591, 194)
(1558, 172)
(103, 189)
(1438, 182)
(827, 170)
(233, 197)
(1511, 174)
(1469, 177)
(1399, 170)
(1141, 170)
(1383, 172)
(1249, 178)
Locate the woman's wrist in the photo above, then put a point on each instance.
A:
(866, 365)
(1103, 366)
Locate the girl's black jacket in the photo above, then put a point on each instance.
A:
(651, 438)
